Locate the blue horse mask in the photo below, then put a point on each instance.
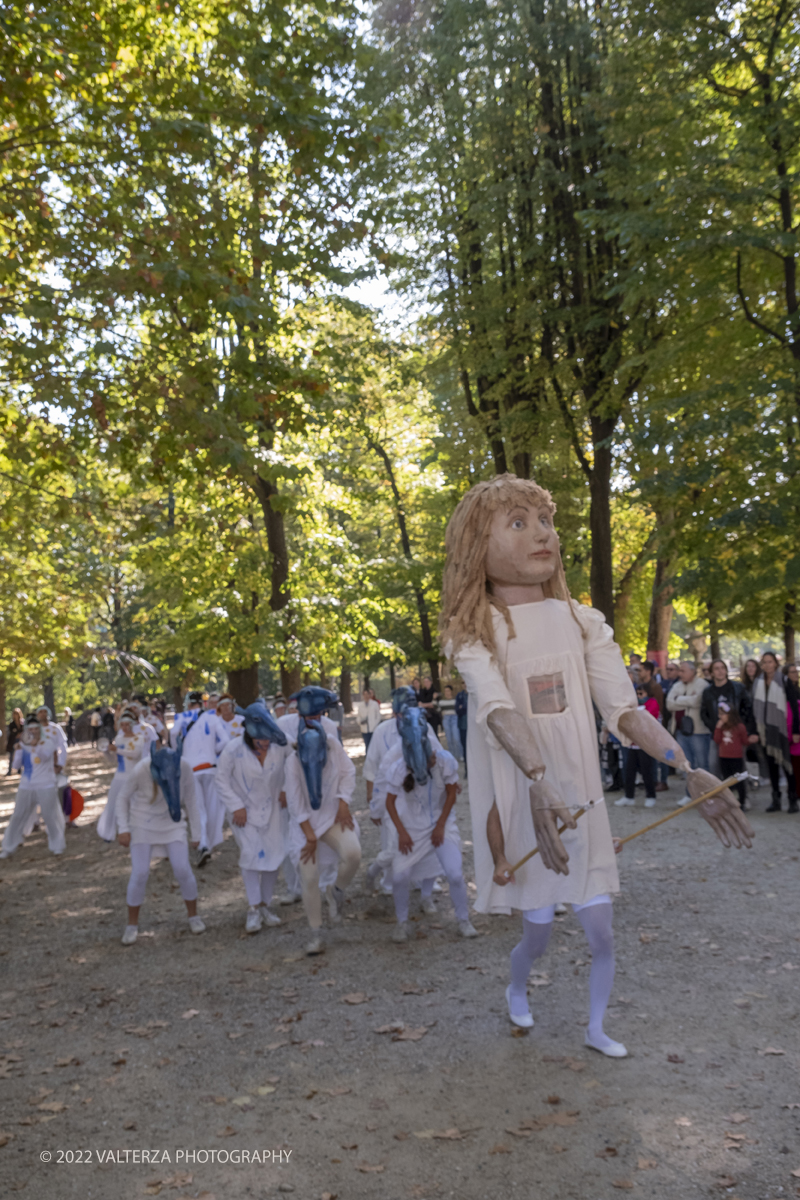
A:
(312, 750)
(259, 723)
(165, 768)
(404, 697)
(312, 701)
(413, 728)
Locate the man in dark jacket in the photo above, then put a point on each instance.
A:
(737, 696)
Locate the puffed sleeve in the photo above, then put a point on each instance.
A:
(609, 684)
(485, 682)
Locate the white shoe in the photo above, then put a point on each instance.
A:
(437, 887)
(428, 906)
(316, 945)
(269, 918)
(467, 930)
(560, 909)
(203, 856)
(625, 802)
(335, 898)
(684, 800)
(130, 935)
(522, 1022)
(650, 802)
(6, 853)
(197, 925)
(386, 889)
(289, 898)
(400, 932)
(253, 921)
(608, 1046)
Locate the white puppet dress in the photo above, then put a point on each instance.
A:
(562, 657)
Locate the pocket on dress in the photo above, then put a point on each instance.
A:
(547, 694)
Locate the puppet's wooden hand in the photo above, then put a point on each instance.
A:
(547, 809)
(722, 812)
(515, 735)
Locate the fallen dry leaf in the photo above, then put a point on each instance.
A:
(683, 1121)
(393, 1027)
(737, 1118)
(68, 1062)
(726, 1181)
(190, 1012)
(794, 1174)
(369, 1168)
(240, 1100)
(553, 1099)
(516, 1032)
(228, 1131)
(355, 998)
(646, 1164)
(349, 1145)
(129, 1125)
(500, 1149)
(674, 1058)
(5, 1138)
(179, 1179)
(622, 1183)
(410, 1035)
(265, 1091)
(52, 1106)
(449, 1135)
(771, 1050)
(337, 1091)
(607, 1152)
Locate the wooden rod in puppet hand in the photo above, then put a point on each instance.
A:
(715, 791)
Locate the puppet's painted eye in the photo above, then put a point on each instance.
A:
(518, 524)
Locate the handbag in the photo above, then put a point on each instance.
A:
(686, 726)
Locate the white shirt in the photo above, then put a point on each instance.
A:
(230, 729)
(38, 770)
(385, 738)
(130, 750)
(148, 820)
(202, 741)
(338, 782)
(243, 782)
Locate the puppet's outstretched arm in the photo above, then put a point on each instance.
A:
(722, 812)
(515, 735)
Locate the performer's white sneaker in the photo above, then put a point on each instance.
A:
(467, 930)
(684, 800)
(650, 802)
(428, 906)
(289, 898)
(625, 802)
(400, 932)
(521, 1020)
(606, 1045)
(197, 925)
(437, 887)
(130, 935)
(335, 898)
(316, 945)
(253, 922)
(269, 918)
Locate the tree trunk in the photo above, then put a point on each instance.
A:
(660, 612)
(392, 676)
(243, 684)
(601, 579)
(3, 715)
(50, 695)
(713, 630)
(789, 615)
(177, 699)
(345, 688)
(290, 680)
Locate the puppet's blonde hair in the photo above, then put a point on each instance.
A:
(467, 601)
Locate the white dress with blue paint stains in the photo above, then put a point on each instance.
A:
(243, 782)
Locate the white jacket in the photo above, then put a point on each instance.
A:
(369, 715)
(687, 697)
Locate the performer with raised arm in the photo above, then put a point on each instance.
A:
(250, 782)
(202, 740)
(534, 661)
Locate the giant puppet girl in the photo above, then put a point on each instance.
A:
(534, 661)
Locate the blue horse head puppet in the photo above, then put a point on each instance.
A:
(403, 697)
(413, 728)
(312, 742)
(165, 768)
(260, 724)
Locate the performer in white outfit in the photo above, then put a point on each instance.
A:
(152, 805)
(250, 782)
(289, 722)
(320, 779)
(38, 757)
(231, 723)
(420, 802)
(533, 662)
(202, 742)
(131, 742)
(385, 742)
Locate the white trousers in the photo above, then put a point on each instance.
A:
(347, 846)
(25, 810)
(178, 853)
(291, 875)
(544, 916)
(449, 856)
(210, 808)
(258, 885)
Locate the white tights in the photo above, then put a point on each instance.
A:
(259, 886)
(449, 856)
(596, 920)
(178, 853)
